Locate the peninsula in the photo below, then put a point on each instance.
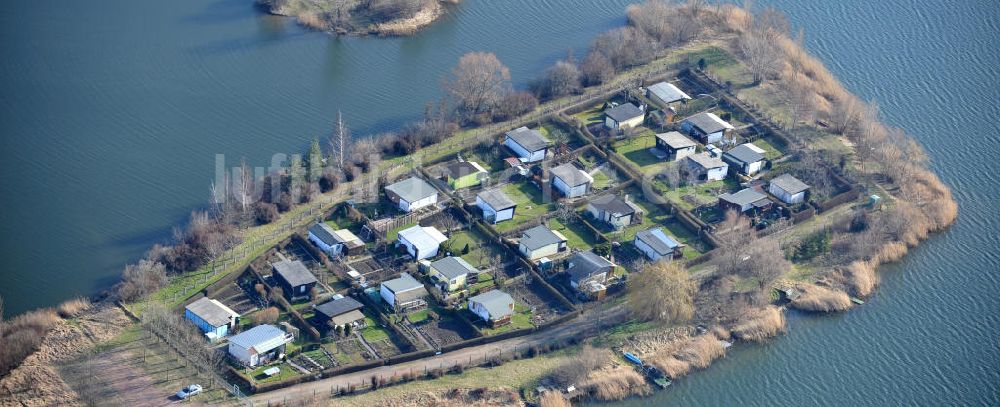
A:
(617, 226)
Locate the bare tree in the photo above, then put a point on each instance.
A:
(663, 292)
(561, 79)
(243, 188)
(734, 236)
(139, 280)
(339, 141)
(478, 83)
(596, 69)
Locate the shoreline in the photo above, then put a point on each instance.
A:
(858, 277)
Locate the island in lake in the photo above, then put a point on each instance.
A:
(361, 17)
(620, 224)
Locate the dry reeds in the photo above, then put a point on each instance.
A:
(860, 278)
(553, 399)
(22, 335)
(821, 299)
(695, 353)
(755, 326)
(891, 252)
(74, 307)
(616, 384)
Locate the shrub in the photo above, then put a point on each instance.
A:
(265, 213)
(74, 307)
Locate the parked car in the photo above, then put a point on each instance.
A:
(189, 391)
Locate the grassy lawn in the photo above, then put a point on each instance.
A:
(578, 236)
(417, 316)
(478, 255)
(592, 115)
(720, 64)
(601, 180)
(520, 320)
(393, 233)
(636, 151)
(529, 205)
(372, 332)
(485, 281)
(287, 372)
(701, 194)
(693, 243)
(770, 151)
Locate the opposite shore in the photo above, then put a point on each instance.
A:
(396, 18)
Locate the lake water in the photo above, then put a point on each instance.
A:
(111, 114)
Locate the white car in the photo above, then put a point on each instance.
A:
(189, 391)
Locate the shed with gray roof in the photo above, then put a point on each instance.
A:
(294, 278)
(494, 307)
(528, 144)
(411, 194)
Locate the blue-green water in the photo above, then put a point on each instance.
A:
(111, 113)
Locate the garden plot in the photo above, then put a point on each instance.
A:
(241, 298)
(441, 327)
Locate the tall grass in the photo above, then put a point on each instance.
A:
(74, 307)
(616, 384)
(760, 324)
(821, 299)
(553, 399)
(694, 353)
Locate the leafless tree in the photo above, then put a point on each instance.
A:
(596, 69)
(243, 188)
(735, 237)
(141, 279)
(478, 83)
(561, 79)
(625, 47)
(339, 141)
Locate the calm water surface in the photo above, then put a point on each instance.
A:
(111, 113)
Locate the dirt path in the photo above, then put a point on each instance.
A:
(578, 327)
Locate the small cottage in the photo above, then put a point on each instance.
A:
(571, 181)
(212, 317)
(666, 94)
(421, 242)
(705, 168)
(656, 244)
(494, 307)
(624, 116)
(496, 206)
(340, 242)
(259, 345)
(706, 127)
(589, 273)
(294, 279)
(618, 212)
(788, 189)
(411, 194)
(675, 145)
(540, 241)
(465, 174)
(746, 159)
(403, 294)
(451, 273)
(746, 200)
(529, 145)
(340, 312)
